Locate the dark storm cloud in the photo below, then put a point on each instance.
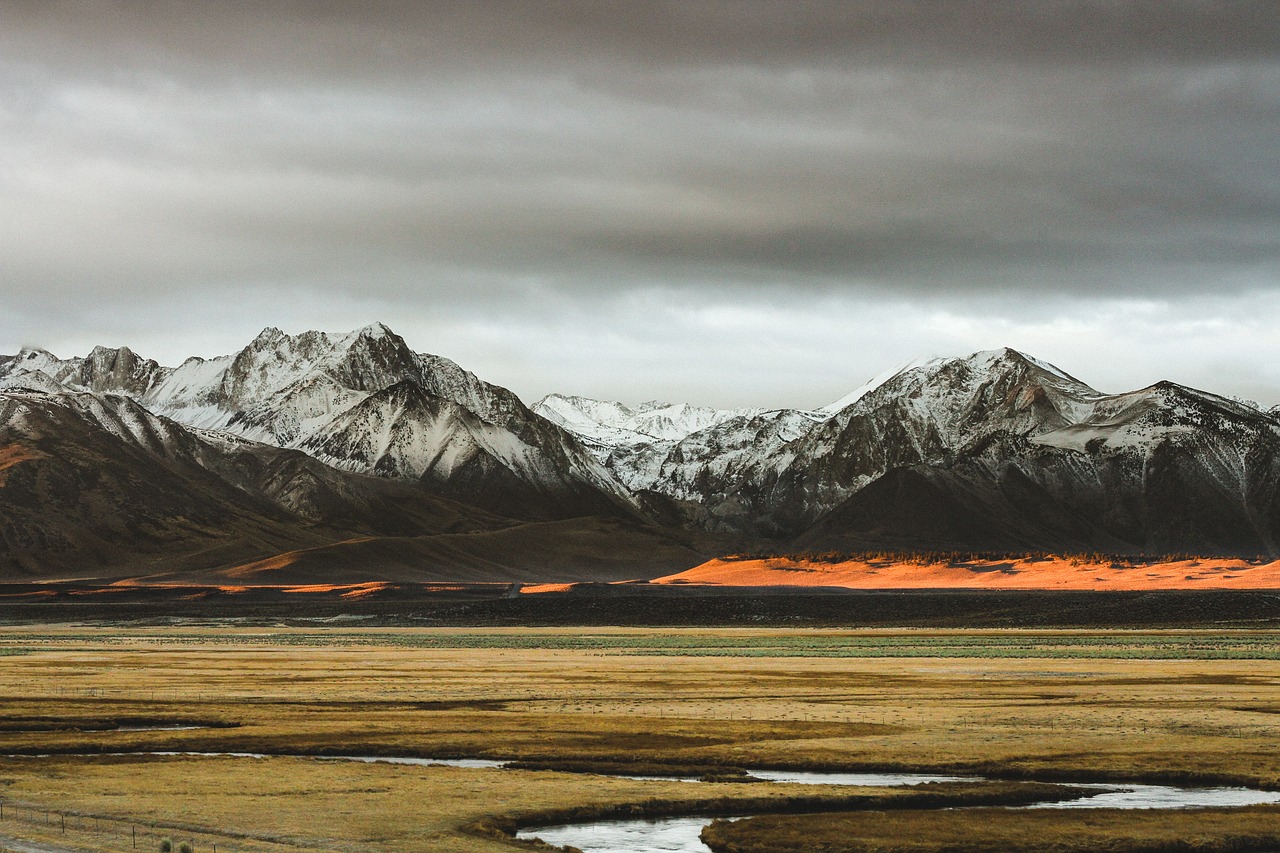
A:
(504, 160)
(373, 39)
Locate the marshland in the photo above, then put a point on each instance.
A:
(84, 712)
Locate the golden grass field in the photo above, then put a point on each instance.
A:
(634, 696)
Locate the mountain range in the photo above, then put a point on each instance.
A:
(324, 457)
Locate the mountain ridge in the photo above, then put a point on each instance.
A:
(283, 444)
(96, 486)
(302, 391)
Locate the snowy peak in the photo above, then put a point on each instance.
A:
(593, 422)
(30, 358)
(274, 360)
(674, 421)
(1165, 411)
(926, 452)
(872, 384)
(377, 330)
(118, 370)
(997, 366)
(289, 380)
(361, 401)
(115, 371)
(267, 338)
(778, 472)
(925, 370)
(582, 410)
(920, 412)
(609, 424)
(962, 398)
(373, 358)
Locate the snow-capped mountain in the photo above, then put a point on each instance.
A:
(921, 413)
(870, 385)
(953, 409)
(604, 425)
(1163, 469)
(994, 451)
(96, 486)
(989, 421)
(647, 447)
(361, 401)
(689, 469)
(691, 453)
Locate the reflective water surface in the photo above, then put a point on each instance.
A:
(476, 763)
(802, 777)
(680, 835)
(667, 835)
(158, 728)
(1129, 796)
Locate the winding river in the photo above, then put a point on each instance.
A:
(681, 834)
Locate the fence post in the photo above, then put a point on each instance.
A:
(63, 816)
(135, 837)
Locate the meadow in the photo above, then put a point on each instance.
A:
(987, 830)
(1186, 706)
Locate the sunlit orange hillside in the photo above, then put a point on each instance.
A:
(1058, 573)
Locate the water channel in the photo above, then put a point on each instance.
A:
(681, 834)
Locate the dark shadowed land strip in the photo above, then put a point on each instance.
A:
(646, 605)
(1240, 830)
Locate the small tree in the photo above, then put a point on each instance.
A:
(185, 847)
(166, 845)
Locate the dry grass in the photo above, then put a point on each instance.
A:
(259, 804)
(1244, 830)
(1079, 717)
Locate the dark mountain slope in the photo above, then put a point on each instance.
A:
(95, 486)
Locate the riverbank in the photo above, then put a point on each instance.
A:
(932, 795)
(1251, 829)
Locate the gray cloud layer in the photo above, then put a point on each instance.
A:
(576, 195)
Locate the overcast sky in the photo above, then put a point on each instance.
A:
(731, 203)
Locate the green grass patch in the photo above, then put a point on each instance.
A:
(1125, 645)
